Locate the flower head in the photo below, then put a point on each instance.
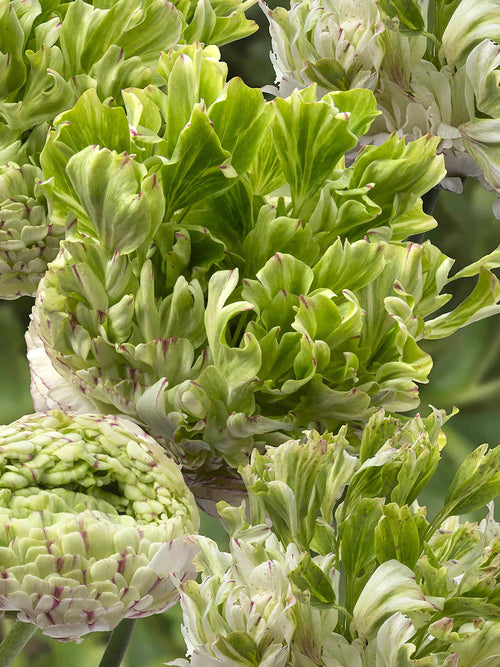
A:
(194, 299)
(336, 44)
(334, 565)
(45, 70)
(446, 85)
(28, 240)
(94, 524)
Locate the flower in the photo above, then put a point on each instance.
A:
(447, 86)
(191, 298)
(95, 523)
(391, 588)
(336, 44)
(244, 611)
(28, 241)
(45, 71)
(353, 572)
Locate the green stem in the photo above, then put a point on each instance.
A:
(443, 514)
(418, 639)
(433, 39)
(185, 211)
(15, 641)
(240, 327)
(118, 643)
(429, 201)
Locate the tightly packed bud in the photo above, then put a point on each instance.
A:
(95, 523)
(28, 240)
(336, 44)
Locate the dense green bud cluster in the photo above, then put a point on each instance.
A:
(95, 523)
(434, 67)
(339, 566)
(228, 281)
(28, 240)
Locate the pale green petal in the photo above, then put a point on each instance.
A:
(470, 23)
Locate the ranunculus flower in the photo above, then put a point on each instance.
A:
(96, 523)
(28, 240)
(193, 297)
(52, 53)
(336, 44)
(446, 85)
(335, 564)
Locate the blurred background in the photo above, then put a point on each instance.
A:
(466, 374)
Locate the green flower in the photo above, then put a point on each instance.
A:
(94, 523)
(28, 240)
(245, 611)
(391, 588)
(54, 53)
(355, 574)
(446, 85)
(51, 54)
(165, 359)
(223, 317)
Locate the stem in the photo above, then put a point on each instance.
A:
(242, 322)
(419, 636)
(17, 638)
(118, 643)
(429, 201)
(443, 514)
(185, 211)
(430, 198)
(433, 39)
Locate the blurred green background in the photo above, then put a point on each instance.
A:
(466, 374)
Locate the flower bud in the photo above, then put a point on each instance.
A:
(95, 523)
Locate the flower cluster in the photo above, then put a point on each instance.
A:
(95, 523)
(51, 53)
(340, 566)
(236, 276)
(432, 71)
(28, 240)
(225, 290)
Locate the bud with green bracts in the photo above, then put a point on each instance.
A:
(444, 82)
(192, 298)
(337, 565)
(28, 240)
(96, 523)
